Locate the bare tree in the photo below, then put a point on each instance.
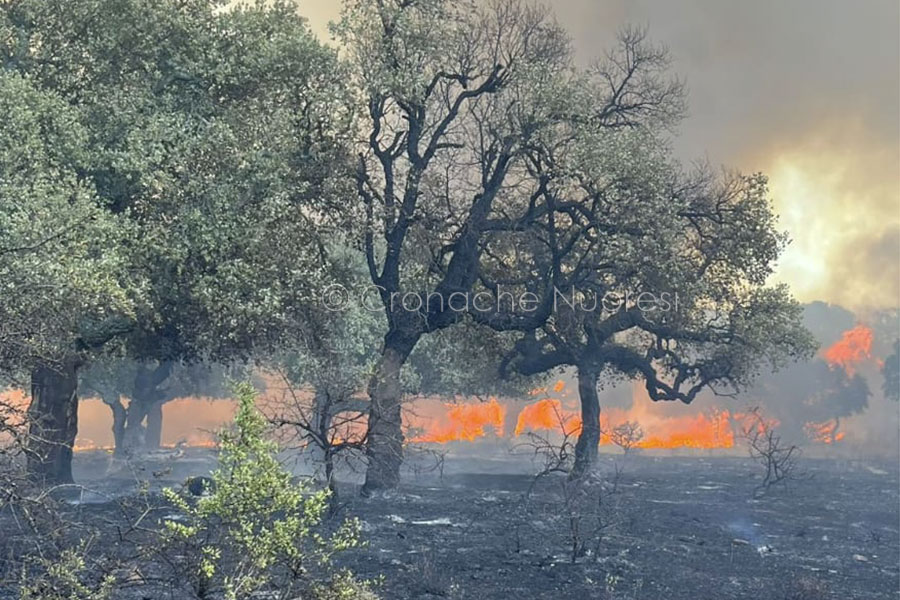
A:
(584, 513)
(765, 446)
(555, 455)
(329, 421)
(626, 435)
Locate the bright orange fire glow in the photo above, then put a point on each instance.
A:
(547, 414)
(825, 432)
(191, 421)
(713, 430)
(854, 347)
(194, 421)
(465, 422)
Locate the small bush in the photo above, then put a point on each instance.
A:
(62, 579)
(257, 529)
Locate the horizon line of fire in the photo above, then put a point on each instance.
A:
(468, 422)
(717, 428)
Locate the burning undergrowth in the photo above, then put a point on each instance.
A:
(833, 400)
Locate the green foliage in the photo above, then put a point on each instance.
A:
(343, 586)
(60, 268)
(214, 137)
(336, 350)
(63, 579)
(466, 360)
(258, 528)
(112, 375)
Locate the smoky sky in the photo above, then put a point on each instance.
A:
(806, 91)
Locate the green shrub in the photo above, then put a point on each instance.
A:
(258, 529)
(62, 579)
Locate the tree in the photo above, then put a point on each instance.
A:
(452, 93)
(64, 285)
(215, 135)
(657, 274)
(713, 245)
(891, 373)
(777, 459)
(660, 274)
(324, 370)
(111, 378)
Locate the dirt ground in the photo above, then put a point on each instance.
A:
(674, 528)
(665, 528)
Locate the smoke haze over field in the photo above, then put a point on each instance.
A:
(806, 91)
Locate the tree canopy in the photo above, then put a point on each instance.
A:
(60, 272)
(490, 162)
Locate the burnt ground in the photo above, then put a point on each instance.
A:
(667, 528)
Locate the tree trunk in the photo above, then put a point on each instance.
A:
(119, 415)
(146, 403)
(153, 433)
(589, 439)
(53, 422)
(384, 441)
(133, 433)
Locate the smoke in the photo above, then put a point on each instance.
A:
(806, 91)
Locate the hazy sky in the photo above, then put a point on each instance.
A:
(807, 91)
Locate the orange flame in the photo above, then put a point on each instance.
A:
(547, 414)
(714, 430)
(465, 422)
(825, 432)
(854, 347)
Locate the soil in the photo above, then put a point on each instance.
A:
(664, 528)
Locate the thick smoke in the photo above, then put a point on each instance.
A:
(807, 92)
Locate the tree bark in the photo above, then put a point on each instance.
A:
(133, 433)
(53, 422)
(146, 403)
(153, 432)
(589, 438)
(119, 415)
(384, 441)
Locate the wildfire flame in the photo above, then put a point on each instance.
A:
(854, 347)
(706, 430)
(547, 414)
(825, 432)
(465, 422)
(713, 430)
(431, 420)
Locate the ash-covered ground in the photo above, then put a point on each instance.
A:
(663, 528)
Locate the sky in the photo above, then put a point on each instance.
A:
(805, 91)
